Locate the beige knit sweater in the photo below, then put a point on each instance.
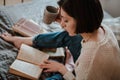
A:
(98, 60)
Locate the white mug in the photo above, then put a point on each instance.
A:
(50, 14)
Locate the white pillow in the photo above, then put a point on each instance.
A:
(114, 24)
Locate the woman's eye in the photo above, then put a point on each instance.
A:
(66, 21)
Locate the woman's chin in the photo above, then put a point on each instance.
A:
(72, 34)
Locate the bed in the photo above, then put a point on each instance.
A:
(32, 10)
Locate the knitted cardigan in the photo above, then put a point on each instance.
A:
(98, 60)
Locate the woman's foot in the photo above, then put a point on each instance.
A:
(17, 41)
(8, 37)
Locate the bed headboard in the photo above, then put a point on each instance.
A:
(12, 2)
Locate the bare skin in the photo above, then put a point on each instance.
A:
(17, 41)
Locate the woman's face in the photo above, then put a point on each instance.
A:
(68, 23)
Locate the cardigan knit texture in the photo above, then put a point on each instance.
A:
(98, 60)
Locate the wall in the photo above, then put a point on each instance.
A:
(1, 2)
(12, 2)
(112, 7)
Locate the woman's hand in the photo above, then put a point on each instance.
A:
(58, 18)
(53, 66)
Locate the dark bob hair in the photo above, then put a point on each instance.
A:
(87, 13)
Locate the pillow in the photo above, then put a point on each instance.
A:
(107, 15)
(114, 24)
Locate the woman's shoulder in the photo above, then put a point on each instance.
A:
(110, 37)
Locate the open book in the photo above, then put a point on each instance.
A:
(27, 27)
(27, 62)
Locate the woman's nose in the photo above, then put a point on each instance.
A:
(62, 24)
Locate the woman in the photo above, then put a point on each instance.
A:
(100, 54)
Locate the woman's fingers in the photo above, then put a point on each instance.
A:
(48, 70)
(53, 66)
(45, 64)
(47, 61)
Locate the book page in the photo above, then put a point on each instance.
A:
(25, 69)
(27, 28)
(32, 55)
(59, 53)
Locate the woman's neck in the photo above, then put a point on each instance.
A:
(94, 36)
(89, 36)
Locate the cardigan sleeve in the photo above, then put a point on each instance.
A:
(84, 65)
(69, 76)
